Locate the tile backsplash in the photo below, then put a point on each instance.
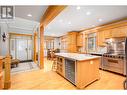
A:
(102, 49)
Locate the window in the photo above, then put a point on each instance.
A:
(91, 42)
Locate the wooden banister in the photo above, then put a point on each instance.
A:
(7, 73)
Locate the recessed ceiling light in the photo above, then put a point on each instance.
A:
(69, 22)
(100, 19)
(78, 7)
(88, 13)
(29, 15)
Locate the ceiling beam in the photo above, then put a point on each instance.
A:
(51, 13)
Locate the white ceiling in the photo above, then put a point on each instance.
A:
(24, 23)
(20, 25)
(75, 18)
(35, 11)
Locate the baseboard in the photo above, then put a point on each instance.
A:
(26, 61)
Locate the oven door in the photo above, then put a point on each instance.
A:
(113, 64)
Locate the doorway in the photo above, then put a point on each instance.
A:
(21, 47)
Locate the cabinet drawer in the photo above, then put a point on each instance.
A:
(113, 63)
(114, 69)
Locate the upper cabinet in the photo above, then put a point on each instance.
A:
(102, 36)
(80, 39)
(111, 31)
(72, 42)
(119, 32)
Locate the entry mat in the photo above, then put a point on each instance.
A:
(24, 67)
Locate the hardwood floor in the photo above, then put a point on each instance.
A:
(48, 79)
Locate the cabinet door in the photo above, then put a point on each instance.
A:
(101, 38)
(71, 48)
(80, 40)
(72, 42)
(119, 32)
(107, 34)
(124, 30)
(87, 72)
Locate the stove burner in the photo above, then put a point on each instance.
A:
(114, 55)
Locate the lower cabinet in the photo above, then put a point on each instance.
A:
(87, 72)
(60, 66)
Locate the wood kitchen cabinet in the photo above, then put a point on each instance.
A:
(79, 39)
(102, 36)
(72, 42)
(119, 32)
(86, 72)
(107, 34)
(60, 66)
(63, 42)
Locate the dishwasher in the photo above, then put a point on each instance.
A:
(70, 70)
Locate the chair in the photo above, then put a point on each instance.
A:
(48, 54)
(14, 62)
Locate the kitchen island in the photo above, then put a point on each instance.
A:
(80, 69)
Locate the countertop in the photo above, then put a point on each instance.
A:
(98, 54)
(76, 56)
(1, 57)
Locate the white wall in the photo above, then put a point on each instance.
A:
(4, 46)
(20, 30)
(56, 43)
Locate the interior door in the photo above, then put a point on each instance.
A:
(22, 49)
(29, 53)
(12, 48)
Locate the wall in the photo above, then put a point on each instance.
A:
(20, 30)
(4, 46)
(56, 43)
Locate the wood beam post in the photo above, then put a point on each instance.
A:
(41, 47)
(49, 15)
(35, 47)
(7, 73)
(51, 12)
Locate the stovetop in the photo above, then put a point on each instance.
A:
(114, 55)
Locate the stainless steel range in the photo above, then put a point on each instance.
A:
(114, 60)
